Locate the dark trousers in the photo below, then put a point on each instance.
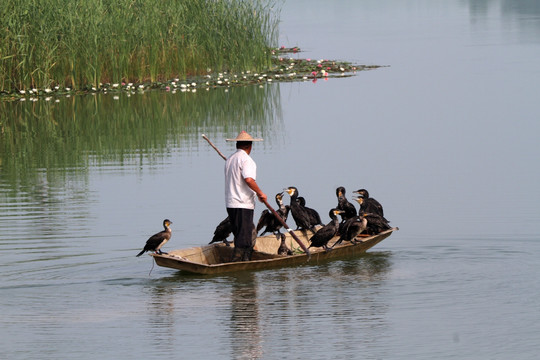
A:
(242, 227)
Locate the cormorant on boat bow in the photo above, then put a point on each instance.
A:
(156, 241)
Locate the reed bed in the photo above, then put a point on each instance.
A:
(81, 44)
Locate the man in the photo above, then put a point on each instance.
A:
(240, 191)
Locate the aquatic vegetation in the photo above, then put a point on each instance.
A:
(80, 44)
(282, 69)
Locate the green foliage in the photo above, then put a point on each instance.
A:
(82, 43)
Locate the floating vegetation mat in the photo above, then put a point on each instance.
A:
(284, 69)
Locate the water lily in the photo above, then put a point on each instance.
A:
(47, 90)
(22, 92)
(114, 85)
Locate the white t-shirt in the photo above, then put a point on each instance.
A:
(237, 193)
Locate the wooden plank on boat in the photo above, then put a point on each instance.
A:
(214, 258)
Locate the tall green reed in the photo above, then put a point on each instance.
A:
(82, 43)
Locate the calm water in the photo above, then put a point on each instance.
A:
(445, 137)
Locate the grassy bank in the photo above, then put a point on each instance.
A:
(82, 43)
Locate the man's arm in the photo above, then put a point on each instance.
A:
(253, 186)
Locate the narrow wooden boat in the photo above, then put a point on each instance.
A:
(215, 258)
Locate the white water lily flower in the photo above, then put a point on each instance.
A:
(342, 69)
(220, 82)
(176, 80)
(141, 86)
(22, 92)
(94, 89)
(68, 89)
(56, 87)
(269, 80)
(305, 77)
(30, 91)
(48, 98)
(116, 97)
(183, 86)
(193, 90)
(193, 84)
(57, 100)
(22, 99)
(114, 85)
(47, 90)
(130, 84)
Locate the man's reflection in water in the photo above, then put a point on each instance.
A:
(245, 321)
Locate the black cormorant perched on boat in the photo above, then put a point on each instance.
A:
(156, 241)
(351, 228)
(283, 248)
(304, 217)
(222, 232)
(269, 220)
(375, 223)
(368, 204)
(311, 211)
(327, 232)
(349, 210)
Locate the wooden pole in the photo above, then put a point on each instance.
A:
(279, 218)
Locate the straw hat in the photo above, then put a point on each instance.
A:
(244, 136)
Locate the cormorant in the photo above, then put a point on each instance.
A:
(304, 217)
(375, 223)
(269, 220)
(156, 241)
(351, 228)
(349, 210)
(222, 232)
(327, 232)
(368, 204)
(283, 248)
